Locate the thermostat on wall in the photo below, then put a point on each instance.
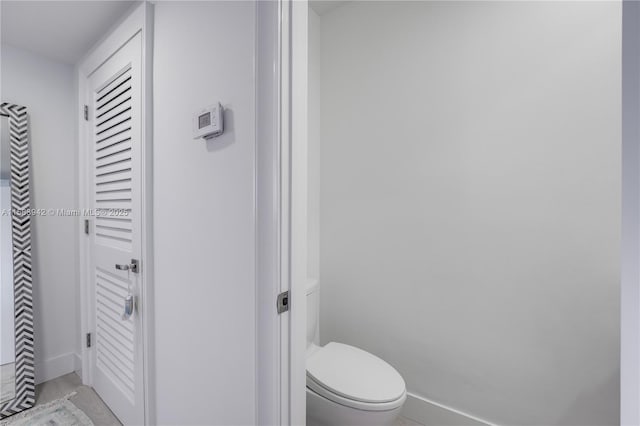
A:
(208, 122)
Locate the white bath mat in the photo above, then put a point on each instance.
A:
(60, 412)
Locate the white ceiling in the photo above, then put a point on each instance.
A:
(324, 6)
(61, 30)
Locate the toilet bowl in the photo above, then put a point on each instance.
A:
(347, 386)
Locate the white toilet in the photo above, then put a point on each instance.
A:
(347, 386)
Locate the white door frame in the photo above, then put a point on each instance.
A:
(270, 389)
(281, 206)
(298, 204)
(139, 20)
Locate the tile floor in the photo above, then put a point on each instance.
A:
(85, 399)
(88, 401)
(403, 421)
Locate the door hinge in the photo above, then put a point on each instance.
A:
(86, 113)
(86, 226)
(88, 340)
(282, 303)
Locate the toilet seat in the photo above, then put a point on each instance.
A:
(355, 378)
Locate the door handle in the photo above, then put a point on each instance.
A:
(134, 266)
(129, 306)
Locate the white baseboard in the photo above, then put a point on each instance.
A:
(77, 364)
(431, 413)
(55, 367)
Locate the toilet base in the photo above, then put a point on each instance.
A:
(322, 412)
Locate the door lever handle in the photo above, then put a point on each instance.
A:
(129, 306)
(134, 266)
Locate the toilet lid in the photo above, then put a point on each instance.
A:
(353, 374)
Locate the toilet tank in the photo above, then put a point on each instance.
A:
(313, 312)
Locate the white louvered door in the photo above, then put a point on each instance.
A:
(115, 123)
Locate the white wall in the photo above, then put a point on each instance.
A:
(630, 270)
(470, 194)
(204, 215)
(313, 141)
(47, 89)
